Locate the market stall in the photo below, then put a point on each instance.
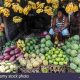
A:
(29, 47)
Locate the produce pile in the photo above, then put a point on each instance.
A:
(40, 53)
(36, 45)
(31, 61)
(11, 53)
(57, 57)
(8, 67)
(72, 48)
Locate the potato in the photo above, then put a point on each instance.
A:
(29, 66)
(35, 64)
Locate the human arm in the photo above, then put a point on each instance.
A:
(54, 23)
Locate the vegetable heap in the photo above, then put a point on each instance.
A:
(72, 48)
(11, 53)
(57, 57)
(31, 61)
(8, 67)
(33, 45)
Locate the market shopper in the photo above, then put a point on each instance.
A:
(60, 24)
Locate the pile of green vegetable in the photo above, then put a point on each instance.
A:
(8, 67)
(37, 46)
(57, 57)
(72, 48)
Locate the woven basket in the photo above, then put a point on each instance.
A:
(44, 69)
(57, 69)
(69, 70)
(34, 70)
(53, 69)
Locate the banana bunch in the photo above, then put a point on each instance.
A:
(17, 19)
(21, 44)
(7, 4)
(1, 10)
(40, 5)
(26, 10)
(54, 1)
(48, 10)
(55, 4)
(6, 12)
(32, 4)
(75, 8)
(39, 11)
(71, 7)
(10, 1)
(17, 8)
(19, 1)
(49, 1)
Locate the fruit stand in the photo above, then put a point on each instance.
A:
(28, 46)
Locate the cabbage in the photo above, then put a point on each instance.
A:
(76, 37)
(73, 53)
(76, 60)
(73, 66)
(77, 70)
(75, 47)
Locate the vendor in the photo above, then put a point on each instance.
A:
(60, 24)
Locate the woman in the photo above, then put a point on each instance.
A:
(60, 24)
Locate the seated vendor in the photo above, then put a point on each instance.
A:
(60, 24)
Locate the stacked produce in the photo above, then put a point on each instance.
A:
(33, 45)
(17, 19)
(72, 48)
(31, 61)
(7, 3)
(71, 7)
(8, 44)
(8, 67)
(11, 53)
(57, 57)
(21, 45)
